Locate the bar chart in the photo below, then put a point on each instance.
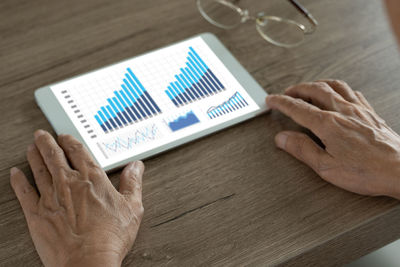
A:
(183, 121)
(235, 102)
(194, 82)
(130, 104)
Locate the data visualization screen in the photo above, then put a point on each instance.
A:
(148, 101)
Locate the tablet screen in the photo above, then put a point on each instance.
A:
(151, 100)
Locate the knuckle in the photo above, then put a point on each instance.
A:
(95, 171)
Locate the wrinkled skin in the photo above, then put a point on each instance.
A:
(362, 153)
(79, 218)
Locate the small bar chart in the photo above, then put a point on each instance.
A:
(235, 102)
(194, 82)
(183, 121)
(130, 104)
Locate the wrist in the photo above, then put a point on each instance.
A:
(93, 259)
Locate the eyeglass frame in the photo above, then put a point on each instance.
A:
(245, 16)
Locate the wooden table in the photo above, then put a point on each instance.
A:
(231, 198)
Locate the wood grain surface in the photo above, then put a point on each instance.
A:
(231, 198)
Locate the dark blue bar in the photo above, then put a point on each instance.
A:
(189, 86)
(121, 109)
(142, 91)
(113, 115)
(130, 105)
(133, 103)
(183, 88)
(192, 73)
(109, 118)
(189, 81)
(125, 105)
(116, 111)
(212, 74)
(104, 120)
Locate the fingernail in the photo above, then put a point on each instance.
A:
(138, 166)
(280, 140)
(39, 133)
(13, 171)
(31, 147)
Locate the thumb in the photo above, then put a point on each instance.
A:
(131, 180)
(302, 147)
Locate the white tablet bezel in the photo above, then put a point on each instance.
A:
(62, 124)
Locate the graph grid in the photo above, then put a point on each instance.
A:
(196, 81)
(235, 102)
(130, 104)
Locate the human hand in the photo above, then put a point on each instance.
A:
(362, 153)
(79, 219)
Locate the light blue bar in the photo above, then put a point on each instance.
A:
(175, 90)
(201, 73)
(197, 62)
(190, 86)
(181, 89)
(131, 89)
(112, 105)
(171, 91)
(135, 90)
(106, 113)
(128, 93)
(197, 55)
(136, 79)
(111, 111)
(118, 104)
(98, 120)
(120, 99)
(102, 117)
(126, 98)
(193, 72)
(169, 95)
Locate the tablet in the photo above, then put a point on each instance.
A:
(150, 103)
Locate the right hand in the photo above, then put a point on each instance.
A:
(361, 154)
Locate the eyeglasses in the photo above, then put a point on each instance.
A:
(276, 30)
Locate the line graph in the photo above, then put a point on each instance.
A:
(235, 102)
(130, 141)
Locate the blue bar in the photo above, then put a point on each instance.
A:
(192, 72)
(210, 74)
(183, 88)
(171, 97)
(109, 118)
(113, 115)
(104, 120)
(131, 105)
(188, 85)
(184, 97)
(140, 97)
(116, 111)
(240, 96)
(186, 94)
(125, 105)
(122, 110)
(190, 81)
(144, 91)
(201, 79)
(101, 123)
(176, 97)
(204, 71)
(215, 78)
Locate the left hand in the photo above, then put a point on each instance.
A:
(79, 218)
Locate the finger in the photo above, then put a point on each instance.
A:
(305, 114)
(53, 156)
(318, 93)
(76, 152)
(304, 149)
(343, 89)
(131, 180)
(40, 173)
(26, 194)
(364, 101)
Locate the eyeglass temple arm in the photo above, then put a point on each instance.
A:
(307, 14)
